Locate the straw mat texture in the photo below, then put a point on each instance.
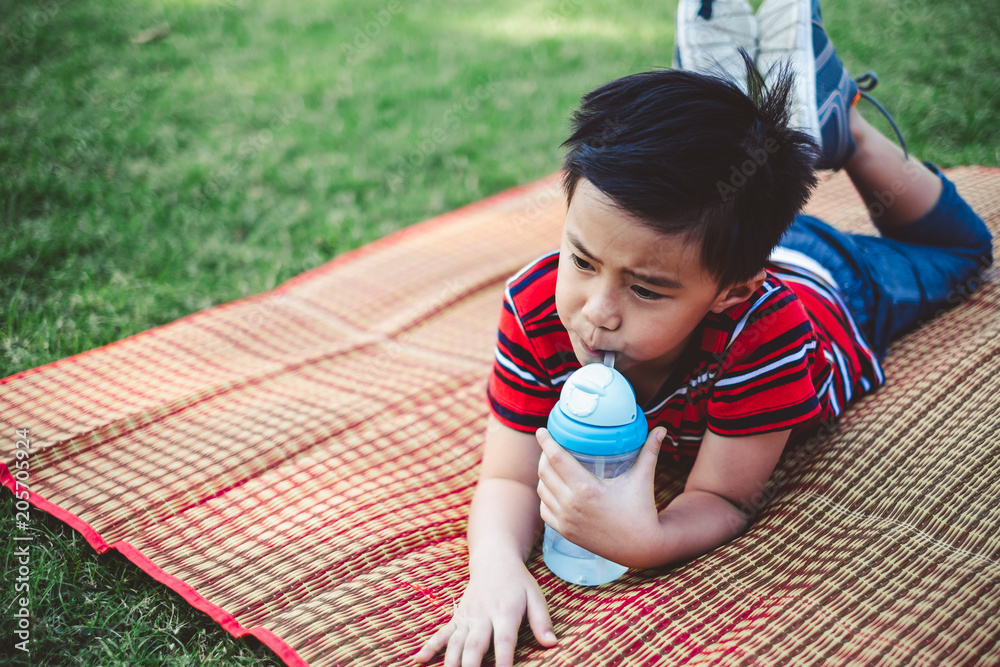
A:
(299, 465)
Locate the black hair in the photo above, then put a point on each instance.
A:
(693, 155)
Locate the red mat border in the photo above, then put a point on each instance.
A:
(228, 622)
(195, 599)
(350, 255)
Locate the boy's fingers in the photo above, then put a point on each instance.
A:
(476, 643)
(437, 642)
(549, 476)
(651, 449)
(504, 641)
(425, 653)
(456, 643)
(546, 496)
(559, 461)
(543, 437)
(538, 619)
(550, 448)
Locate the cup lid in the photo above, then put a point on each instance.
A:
(599, 396)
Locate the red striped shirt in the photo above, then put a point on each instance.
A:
(787, 357)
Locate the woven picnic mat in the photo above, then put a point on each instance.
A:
(299, 465)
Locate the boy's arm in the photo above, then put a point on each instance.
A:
(503, 517)
(616, 518)
(504, 523)
(718, 499)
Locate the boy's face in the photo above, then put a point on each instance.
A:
(626, 288)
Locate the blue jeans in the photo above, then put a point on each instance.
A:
(894, 283)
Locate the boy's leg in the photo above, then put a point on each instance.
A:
(893, 286)
(932, 253)
(897, 189)
(933, 249)
(904, 196)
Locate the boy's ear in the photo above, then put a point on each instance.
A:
(738, 293)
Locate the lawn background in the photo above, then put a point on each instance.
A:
(256, 139)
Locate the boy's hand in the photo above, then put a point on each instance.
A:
(614, 518)
(493, 603)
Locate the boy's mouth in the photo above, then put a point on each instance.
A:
(599, 353)
(595, 353)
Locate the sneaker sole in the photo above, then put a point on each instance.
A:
(786, 36)
(711, 47)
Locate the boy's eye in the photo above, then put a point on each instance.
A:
(580, 263)
(644, 293)
(641, 292)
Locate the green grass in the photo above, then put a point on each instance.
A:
(258, 139)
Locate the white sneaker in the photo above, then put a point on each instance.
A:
(791, 31)
(786, 37)
(710, 34)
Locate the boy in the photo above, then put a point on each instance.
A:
(680, 185)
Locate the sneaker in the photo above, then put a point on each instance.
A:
(791, 31)
(709, 35)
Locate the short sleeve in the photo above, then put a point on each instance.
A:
(765, 383)
(520, 391)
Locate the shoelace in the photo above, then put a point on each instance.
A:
(867, 82)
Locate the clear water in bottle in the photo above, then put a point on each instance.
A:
(575, 564)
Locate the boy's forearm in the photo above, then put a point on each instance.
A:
(694, 523)
(504, 521)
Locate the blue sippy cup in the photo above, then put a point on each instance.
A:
(598, 421)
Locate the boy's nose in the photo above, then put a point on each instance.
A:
(601, 311)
